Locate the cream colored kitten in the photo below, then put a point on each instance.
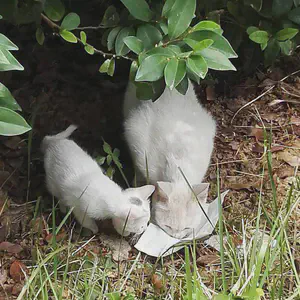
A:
(174, 131)
(77, 181)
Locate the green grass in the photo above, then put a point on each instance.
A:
(262, 266)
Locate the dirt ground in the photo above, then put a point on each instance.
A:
(61, 85)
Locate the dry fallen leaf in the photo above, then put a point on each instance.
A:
(258, 133)
(208, 259)
(17, 270)
(11, 248)
(156, 281)
(290, 159)
(120, 248)
(285, 172)
(17, 288)
(234, 145)
(3, 276)
(295, 120)
(59, 237)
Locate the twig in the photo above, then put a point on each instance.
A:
(57, 28)
(260, 96)
(90, 27)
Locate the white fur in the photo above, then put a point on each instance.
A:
(174, 131)
(77, 181)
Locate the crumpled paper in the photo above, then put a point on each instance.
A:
(156, 242)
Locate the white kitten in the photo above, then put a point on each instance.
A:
(77, 181)
(175, 131)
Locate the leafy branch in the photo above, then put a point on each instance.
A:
(72, 38)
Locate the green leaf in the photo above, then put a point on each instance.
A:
(133, 69)
(259, 36)
(252, 29)
(54, 10)
(286, 34)
(220, 43)
(271, 51)
(170, 72)
(263, 46)
(174, 48)
(39, 35)
(116, 154)
(111, 68)
(280, 7)
(286, 47)
(112, 37)
(134, 44)
(182, 87)
(185, 54)
(100, 160)
(168, 52)
(149, 35)
(121, 48)
(107, 148)
(104, 67)
(8, 61)
(164, 27)
(144, 91)
(110, 173)
(216, 60)
(255, 4)
(68, 36)
(89, 49)
(108, 159)
(198, 46)
(83, 37)
(1, 17)
(180, 17)
(294, 15)
(198, 65)
(192, 75)
(70, 22)
(181, 71)
(167, 7)
(7, 44)
(111, 17)
(151, 68)
(208, 25)
(139, 9)
(11, 123)
(7, 100)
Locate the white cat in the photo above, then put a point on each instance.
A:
(77, 181)
(174, 131)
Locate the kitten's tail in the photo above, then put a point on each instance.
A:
(60, 136)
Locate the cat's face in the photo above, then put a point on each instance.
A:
(175, 209)
(136, 219)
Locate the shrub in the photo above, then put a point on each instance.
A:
(169, 42)
(11, 123)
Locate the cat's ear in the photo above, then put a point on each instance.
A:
(145, 191)
(163, 189)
